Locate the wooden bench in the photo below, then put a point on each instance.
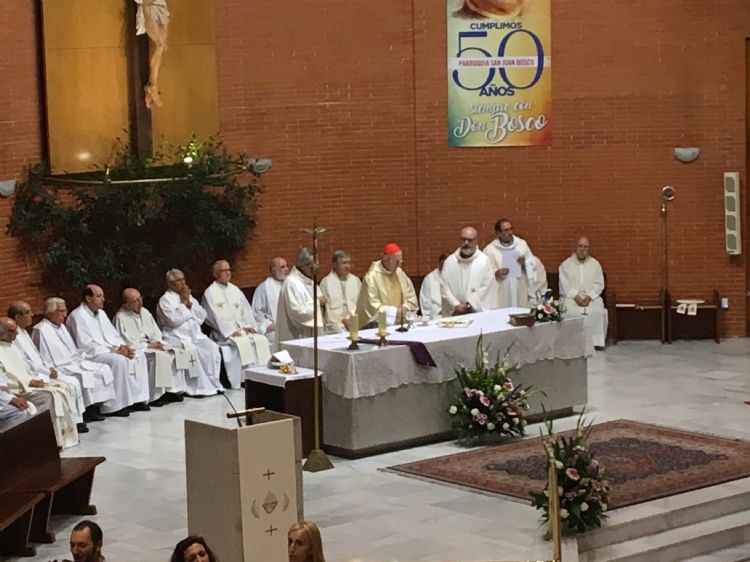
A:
(31, 464)
(16, 515)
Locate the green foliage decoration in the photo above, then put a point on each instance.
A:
(128, 224)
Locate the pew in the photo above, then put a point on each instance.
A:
(31, 464)
(16, 515)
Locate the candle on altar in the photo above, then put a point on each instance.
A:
(381, 322)
(353, 326)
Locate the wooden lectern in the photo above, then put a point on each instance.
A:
(244, 485)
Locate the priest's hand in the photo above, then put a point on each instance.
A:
(125, 351)
(501, 273)
(4, 389)
(235, 334)
(586, 300)
(522, 260)
(19, 403)
(251, 331)
(346, 322)
(460, 308)
(322, 300)
(271, 328)
(580, 301)
(52, 373)
(185, 296)
(36, 383)
(156, 345)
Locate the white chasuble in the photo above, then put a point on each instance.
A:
(513, 289)
(467, 280)
(382, 289)
(341, 295)
(296, 313)
(430, 300)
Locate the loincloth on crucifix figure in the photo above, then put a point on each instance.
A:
(153, 18)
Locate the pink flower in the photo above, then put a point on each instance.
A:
(508, 385)
(484, 400)
(548, 309)
(572, 473)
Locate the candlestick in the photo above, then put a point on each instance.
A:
(353, 331)
(382, 323)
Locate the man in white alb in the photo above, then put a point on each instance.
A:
(95, 335)
(467, 281)
(514, 266)
(385, 286)
(180, 316)
(341, 289)
(234, 325)
(138, 328)
(20, 313)
(538, 284)
(13, 409)
(266, 296)
(430, 301)
(27, 384)
(295, 317)
(58, 350)
(581, 285)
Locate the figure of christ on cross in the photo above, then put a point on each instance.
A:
(153, 19)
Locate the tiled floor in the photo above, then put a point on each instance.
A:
(366, 514)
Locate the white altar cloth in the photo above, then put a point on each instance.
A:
(373, 371)
(274, 377)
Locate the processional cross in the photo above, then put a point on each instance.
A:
(317, 459)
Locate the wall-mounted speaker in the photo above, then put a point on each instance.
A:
(732, 213)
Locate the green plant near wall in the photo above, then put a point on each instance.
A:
(128, 224)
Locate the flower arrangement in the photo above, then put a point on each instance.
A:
(489, 402)
(581, 481)
(547, 309)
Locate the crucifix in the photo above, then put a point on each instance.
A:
(317, 459)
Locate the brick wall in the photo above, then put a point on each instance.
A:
(349, 99)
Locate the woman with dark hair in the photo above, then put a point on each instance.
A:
(305, 544)
(193, 549)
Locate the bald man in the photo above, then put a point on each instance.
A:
(95, 336)
(138, 329)
(266, 296)
(234, 325)
(386, 287)
(467, 280)
(581, 285)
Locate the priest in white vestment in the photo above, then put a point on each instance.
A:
(467, 282)
(234, 325)
(58, 350)
(538, 284)
(168, 382)
(581, 285)
(295, 317)
(385, 286)
(514, 265)
(13, 409)
(341, 289)
(95, 335)
(20, 312)
(180, 316)
(266, 296)
(430, 300)
(28, 385)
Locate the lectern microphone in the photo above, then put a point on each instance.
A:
(230, 416)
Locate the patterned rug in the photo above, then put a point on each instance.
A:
(644, 462)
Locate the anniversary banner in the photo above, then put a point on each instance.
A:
(499, 73)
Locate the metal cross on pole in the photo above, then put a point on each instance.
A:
(317, 460)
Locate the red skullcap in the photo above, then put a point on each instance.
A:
(391, 249)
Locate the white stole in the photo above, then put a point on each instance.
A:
(138, 338)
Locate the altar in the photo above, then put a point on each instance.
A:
(379, 399)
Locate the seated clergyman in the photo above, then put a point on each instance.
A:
(24, 382)
(467, 283)
(386, 287)
(95, 335)
(266, 296)
(180, 316)
(581, 285)
(430, 301)
(341, 289)
(233, 325)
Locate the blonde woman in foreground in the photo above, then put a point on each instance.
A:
(305, 544)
